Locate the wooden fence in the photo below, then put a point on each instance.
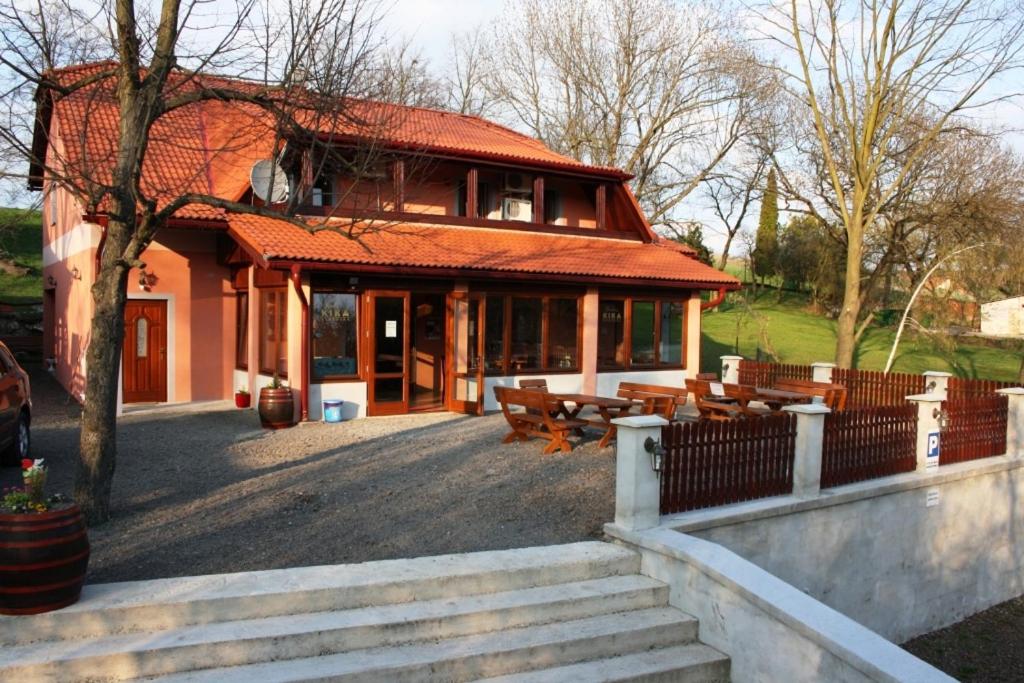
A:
(711, 463)
(958, 388)
(758, 374)
(868, 443)
(976, 429)
(867, 388)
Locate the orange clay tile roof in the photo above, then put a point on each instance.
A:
(209, 147)
(474, 249)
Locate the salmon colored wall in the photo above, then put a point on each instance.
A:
(184, 265)
(69, 257)
(577, 209)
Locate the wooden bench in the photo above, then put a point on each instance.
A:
(657, 399)
(537, 419)
(833, 395)
(734, 404)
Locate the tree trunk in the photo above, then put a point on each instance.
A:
(724, 260)
(846, 328)
(98, 439)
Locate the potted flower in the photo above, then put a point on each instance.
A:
(242, 398)
(276, 406)
(44, 549)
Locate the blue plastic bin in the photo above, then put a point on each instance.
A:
(332, 410)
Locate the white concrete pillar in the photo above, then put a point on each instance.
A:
(637, 485)
(936, 382)
(1014, 421)
(731, 369)
(929, 439)
(810, 434)
(822, 372)
(252, 353)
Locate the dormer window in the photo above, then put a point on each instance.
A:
(323, 191)
(552, 206)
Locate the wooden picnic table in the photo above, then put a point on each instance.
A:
(776, 398)
(608, 408)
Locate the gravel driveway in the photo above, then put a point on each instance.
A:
(209, 492)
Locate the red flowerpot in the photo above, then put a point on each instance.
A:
(43, 559)
(243, 400)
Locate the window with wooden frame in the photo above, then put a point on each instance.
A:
(274, 331)
(242, 330)
(640, 332)
(335, 337)
(535, 334)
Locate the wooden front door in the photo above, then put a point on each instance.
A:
(387, 343)
(466, 315)
(145, 351)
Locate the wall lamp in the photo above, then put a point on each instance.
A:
(76, 274)
(51, 281)
(657, 452)
(146, 280)
(942, 417)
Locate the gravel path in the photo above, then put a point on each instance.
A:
(211, 492)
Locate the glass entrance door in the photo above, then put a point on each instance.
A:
(389, 352)
(467, 314)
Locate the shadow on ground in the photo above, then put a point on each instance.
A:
(198, 493)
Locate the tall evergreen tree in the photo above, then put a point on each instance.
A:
(766, 248)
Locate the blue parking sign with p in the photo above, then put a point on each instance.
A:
(933, 449)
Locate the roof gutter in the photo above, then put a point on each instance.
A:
(296, 271)
(715, 301)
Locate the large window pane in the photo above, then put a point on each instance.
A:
(390, 334)
(671, 347)
(642, 333)
(610, 348)
(494, 337)
(562, 331)
(334, 335)
(526, 334)
(274, 331)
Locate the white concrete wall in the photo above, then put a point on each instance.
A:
(886, 553)
(560, 383)
(352, 393)
(608, 382)
(240, 379)
(770, 630)
(1003, 318)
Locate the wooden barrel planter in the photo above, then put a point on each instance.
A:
(276, 408)
(43, 558)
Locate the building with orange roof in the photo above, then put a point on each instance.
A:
(428, 256)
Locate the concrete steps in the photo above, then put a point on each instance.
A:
(565, 612)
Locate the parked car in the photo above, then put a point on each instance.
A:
(15, 409)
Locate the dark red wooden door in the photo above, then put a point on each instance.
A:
(145, 351)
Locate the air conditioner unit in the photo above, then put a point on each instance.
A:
(518, 182)
(516, 210)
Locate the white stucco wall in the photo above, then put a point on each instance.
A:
(1003, 318)
(885, 553)
(352, 393)
(559, 384)
(608, 382)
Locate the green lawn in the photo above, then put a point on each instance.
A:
(800, 336)
(21, 240)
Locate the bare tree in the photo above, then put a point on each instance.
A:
(659, 89)
(881, 84)
(732, 191)
(468, 75)
(314, 59)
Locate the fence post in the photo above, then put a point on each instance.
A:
(1014, 420)
(637, 485)
(928, 438)
(731, 369)
(937, 382)
(810, 435)
(822, 372)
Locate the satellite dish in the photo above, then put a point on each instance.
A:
(269, 182)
